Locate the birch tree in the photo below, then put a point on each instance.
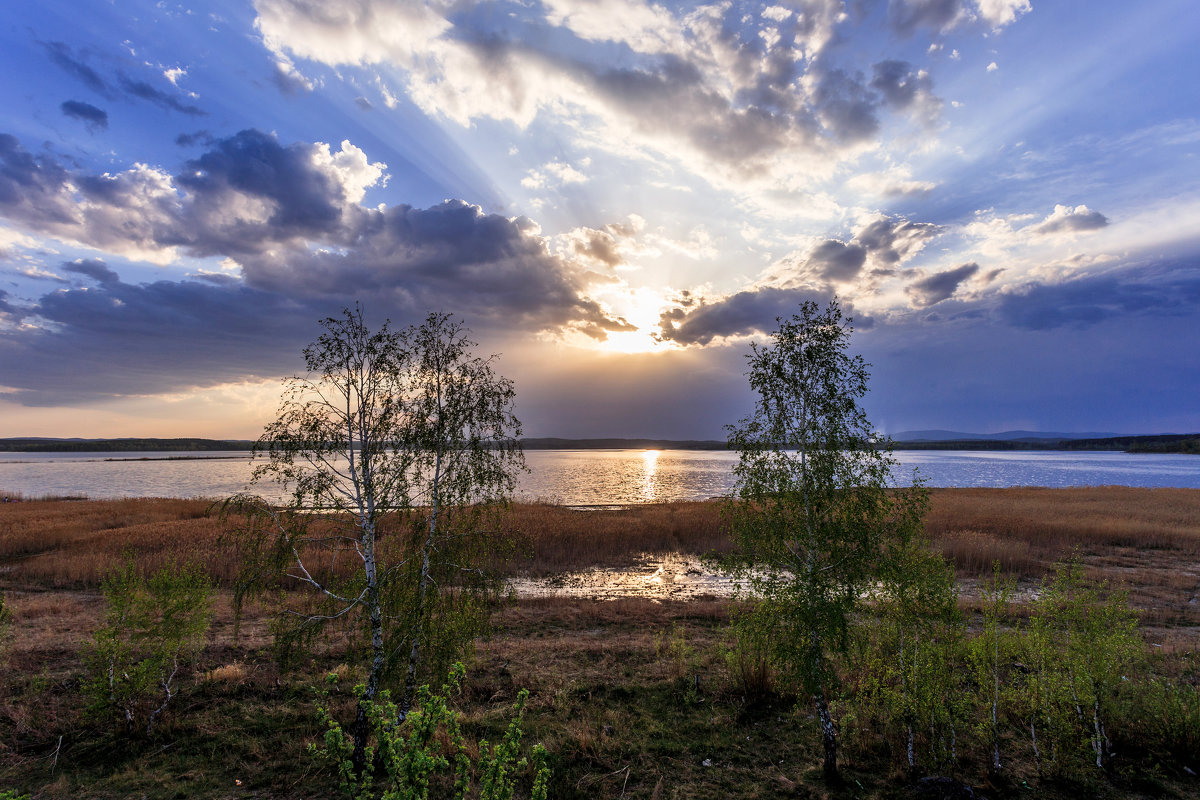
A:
(813, 512)
(397, 450)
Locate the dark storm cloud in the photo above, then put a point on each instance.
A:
(93, 268)
(5, 308)
(304, 250)
(451, 255)
(1164, 289)
(145, 91)
(89, 114)
(752, 311)
(61, 54)
(939, 286)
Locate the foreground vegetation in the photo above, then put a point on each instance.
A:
(634, 697)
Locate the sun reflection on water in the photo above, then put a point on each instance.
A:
(649, 470)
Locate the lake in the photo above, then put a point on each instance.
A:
(591, 477)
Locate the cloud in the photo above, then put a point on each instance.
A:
(823, 270)
(751, 97)
(289, 215)
(249, 193)
(880, 243)
(836, 261)
(190, 139)
(31, 186)
(554, 173)
(145, 91)
(135, 213)
(892, 240)
(895, 181)
(740, 314)
(906, 16)
(93, 117)
(906, 89)
(1065, 219)
(999, 13)
(448, 256)
(1168, 289)
(288, 79)
(939, 286)
(148, 339)
(64, 57)
(93, 268)
(61, 54)
(602, 246)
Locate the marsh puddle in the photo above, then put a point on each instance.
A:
(669, 577)
(678, 577)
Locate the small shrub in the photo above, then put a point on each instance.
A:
(750, 668)
(5, 623)
(425, 751)
(1164, 718)
(153, 628)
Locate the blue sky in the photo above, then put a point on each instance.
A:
(616, 196)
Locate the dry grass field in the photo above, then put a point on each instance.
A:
(632, 696)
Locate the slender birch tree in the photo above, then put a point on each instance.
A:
(814, 511)
(397, 450)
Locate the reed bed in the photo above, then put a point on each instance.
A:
(1027, 530)
(1141, 536)
(73, 544)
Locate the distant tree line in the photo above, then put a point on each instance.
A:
(1167, 443)
(119, 445)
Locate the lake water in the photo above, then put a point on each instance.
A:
(590, 477)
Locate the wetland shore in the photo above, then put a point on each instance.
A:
(630, 690)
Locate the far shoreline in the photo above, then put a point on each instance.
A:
(1185, 443)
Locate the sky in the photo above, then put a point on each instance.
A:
(616, 197)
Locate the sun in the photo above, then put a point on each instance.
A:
(640, 307)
